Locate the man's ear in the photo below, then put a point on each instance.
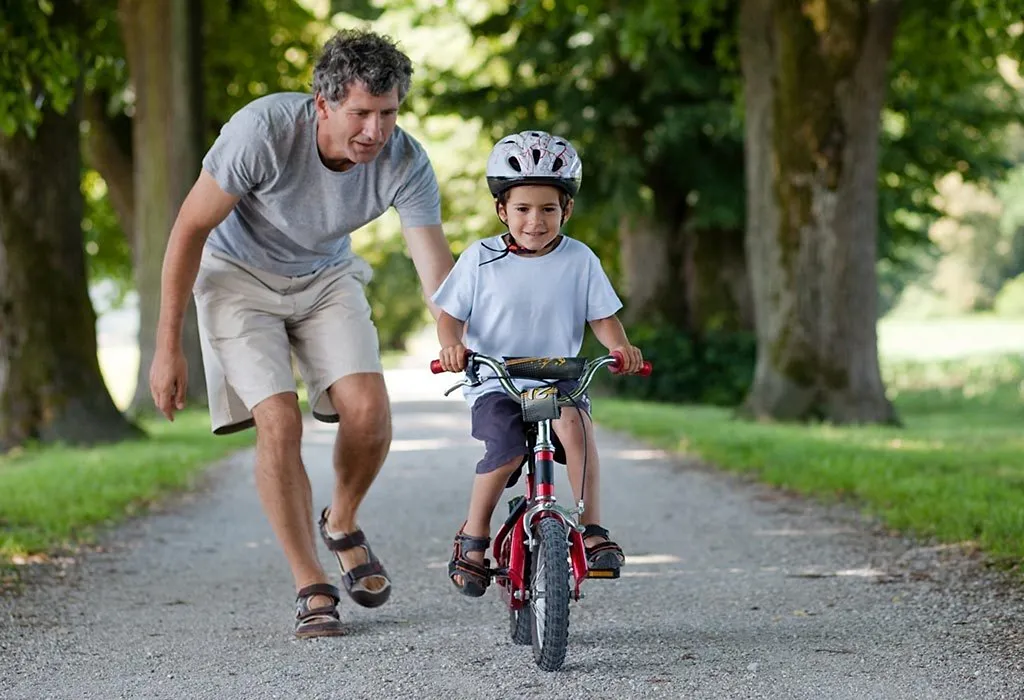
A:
(322, 108)
(567, 212)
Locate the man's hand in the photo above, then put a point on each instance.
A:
(633, 360)
(168, 381)
(453, 358)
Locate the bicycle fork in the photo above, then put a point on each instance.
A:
(540, 498)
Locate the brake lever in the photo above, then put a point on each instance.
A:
(472, 378)
(453, 388)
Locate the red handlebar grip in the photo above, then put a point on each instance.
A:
(645, 369)
(435, 367)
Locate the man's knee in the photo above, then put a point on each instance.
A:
(279, 422)
(361, 401)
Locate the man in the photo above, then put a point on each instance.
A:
(289, 178)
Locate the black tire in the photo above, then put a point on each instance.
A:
(519, 625)
(549, 594)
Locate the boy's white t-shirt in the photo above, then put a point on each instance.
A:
(525, 306)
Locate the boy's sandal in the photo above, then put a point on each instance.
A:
(355, 580)
(475, 577)
(605, 556)
(321, 621)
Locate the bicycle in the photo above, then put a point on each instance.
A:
(540, 559)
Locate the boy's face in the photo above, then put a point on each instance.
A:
(534, 214)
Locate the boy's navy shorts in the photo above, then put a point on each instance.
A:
(497, 420)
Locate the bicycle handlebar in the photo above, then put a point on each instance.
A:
(613, 361)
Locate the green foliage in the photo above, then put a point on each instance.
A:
(56, 497)
(1010, 300)
(948, 111)
(396, 300)
(635, 86)
(953, 472)
(715, 370)
(41, 61)
(252, 49)
(107, 251)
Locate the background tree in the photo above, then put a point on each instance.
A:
(815, 78)
(164, 49)
(656, 123)
(50, 383)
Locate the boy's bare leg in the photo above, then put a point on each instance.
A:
(487, 490)
(570, 431)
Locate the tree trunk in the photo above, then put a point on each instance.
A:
(162, 39)
(815, 78)
(718, 285)
(108, 153)
(653, 255)
(51, 388)
(697, 282)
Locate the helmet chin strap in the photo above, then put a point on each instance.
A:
(514, 247)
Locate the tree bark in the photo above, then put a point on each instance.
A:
(110, 154)
(162, 39)
(718, 285)
(815, 78)
(652, 261)
(695, 281)
(51, 388)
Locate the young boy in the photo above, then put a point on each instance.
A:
(527, 293)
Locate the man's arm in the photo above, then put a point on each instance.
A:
(205, 206)
(432, 257)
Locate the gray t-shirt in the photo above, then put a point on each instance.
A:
(525, 307)
(295, 214)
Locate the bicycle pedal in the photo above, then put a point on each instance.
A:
(603, 573)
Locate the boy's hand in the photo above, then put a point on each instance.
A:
(633, 359)
(453, 358)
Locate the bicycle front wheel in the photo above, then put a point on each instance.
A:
(549, 594)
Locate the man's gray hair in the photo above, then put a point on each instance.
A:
(354, 55)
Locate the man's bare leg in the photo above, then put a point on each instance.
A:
(284, 490)
(363, 441)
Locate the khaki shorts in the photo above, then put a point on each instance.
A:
(251, 321)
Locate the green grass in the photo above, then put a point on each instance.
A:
(954, 472)
(53, 498)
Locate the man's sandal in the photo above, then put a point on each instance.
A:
(475, 577)
(604, 559)
(355, 580)
(321, 621)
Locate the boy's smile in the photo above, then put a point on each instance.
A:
(534, 215)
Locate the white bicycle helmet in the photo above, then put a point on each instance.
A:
(534, 158)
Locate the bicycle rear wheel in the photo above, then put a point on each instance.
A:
(549, 594)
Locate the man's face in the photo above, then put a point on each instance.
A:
(357, 130)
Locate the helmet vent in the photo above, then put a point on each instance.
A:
(557, 165)
(536, 155)
(514, 164)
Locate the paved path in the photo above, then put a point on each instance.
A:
(732, 590)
